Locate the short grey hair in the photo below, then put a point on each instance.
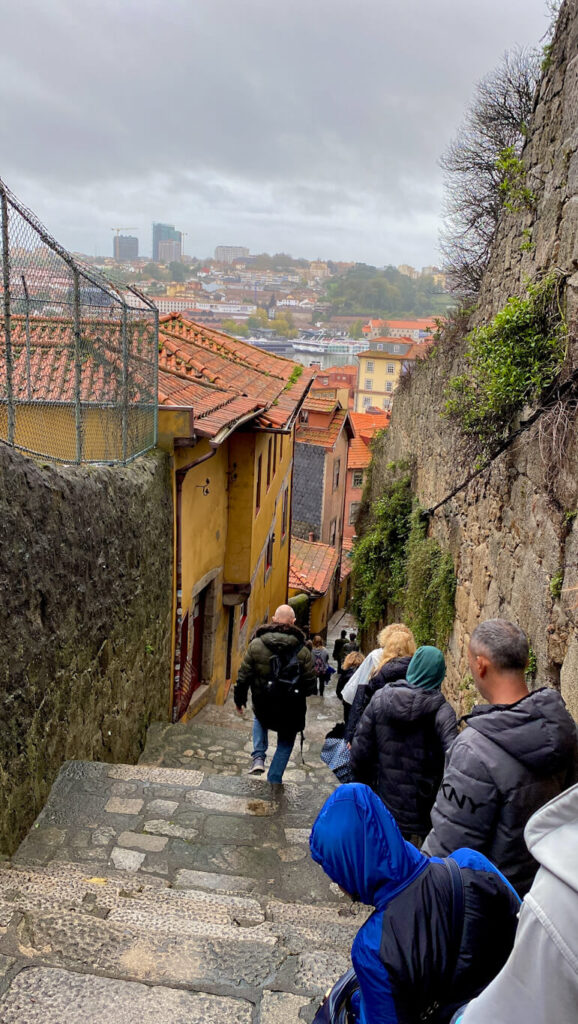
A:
(504, 643)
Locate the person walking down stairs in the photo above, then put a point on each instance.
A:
(320, 663)
(278, 669)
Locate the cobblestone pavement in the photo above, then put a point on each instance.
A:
(178, 889)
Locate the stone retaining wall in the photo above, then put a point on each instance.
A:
(86, 585)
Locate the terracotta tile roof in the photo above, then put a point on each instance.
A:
(324, 437)
(321, 400)
(403, 356)
(228, 369)
(420, 323)
(391, 340)
(359, 455)
(369, 422)
(312, 566)
(49, 375)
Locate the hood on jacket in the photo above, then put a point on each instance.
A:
(427, 669)
(389, 672)
(280, 636)
(358, 844)
(552, 836)
(399, 700)
(537, 730)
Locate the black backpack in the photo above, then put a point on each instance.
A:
(284, 684)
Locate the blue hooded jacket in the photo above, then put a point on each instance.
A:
(406, 946)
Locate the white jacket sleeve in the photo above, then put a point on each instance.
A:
(360, 677)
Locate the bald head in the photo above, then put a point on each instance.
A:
(284, 614)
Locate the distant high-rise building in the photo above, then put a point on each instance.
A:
(166, 233)
(229, 253)
(170, 252)
(125, 247)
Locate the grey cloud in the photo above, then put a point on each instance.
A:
(337, 110)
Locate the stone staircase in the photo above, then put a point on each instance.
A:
(178, 889)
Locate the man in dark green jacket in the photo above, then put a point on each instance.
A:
(277, 647)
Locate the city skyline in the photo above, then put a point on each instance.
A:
(315, 132)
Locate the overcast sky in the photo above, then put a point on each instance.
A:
(307, 126)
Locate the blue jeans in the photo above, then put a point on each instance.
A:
(281, 755)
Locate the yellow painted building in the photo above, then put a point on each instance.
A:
(226, 415)
(380, 370)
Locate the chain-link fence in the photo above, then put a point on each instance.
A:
(78, 356)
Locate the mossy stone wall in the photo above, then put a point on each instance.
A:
(85, 615)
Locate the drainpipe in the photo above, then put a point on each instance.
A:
(180, 475)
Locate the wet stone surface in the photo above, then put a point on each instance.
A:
(183, 873)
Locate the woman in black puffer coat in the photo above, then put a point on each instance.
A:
(400, 743)
(397, 649)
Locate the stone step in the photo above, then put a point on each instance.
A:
(42, 995)
(61, 919)
(218, 740)
(212, 832)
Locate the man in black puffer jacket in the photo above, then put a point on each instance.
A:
(518, 752)
(401, 740)
(280, 708)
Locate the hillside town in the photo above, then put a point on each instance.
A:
(289, 545)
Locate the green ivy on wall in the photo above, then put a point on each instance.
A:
(511, 361)
(400, 572)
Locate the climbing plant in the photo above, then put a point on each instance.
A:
(399, 571)
(511, 362)
(379, 556)
(429, 603)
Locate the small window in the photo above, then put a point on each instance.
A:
(280, 447)
(353, 510)
(274, 454)
(269, 461)
(379, 347)
(358, 478)
(244, 613)
(285, 512)
(389, 385)
(390, 368)
(336, 474)
(332, 532)
(259, 480)
(370, 367)
(368, 384)
(366, 402)
(397, 348)
(269, 554)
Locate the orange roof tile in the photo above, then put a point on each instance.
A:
(312, 566)
(369, 422)
(321, 400)
(359, 455)
(403, 356)
(324, 437)
(43, 368)
(226, 368)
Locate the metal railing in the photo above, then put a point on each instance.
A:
(78, 355)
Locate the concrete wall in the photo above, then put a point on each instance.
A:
(513, 532)
(85, 582)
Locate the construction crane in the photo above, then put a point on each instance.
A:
(118, 230)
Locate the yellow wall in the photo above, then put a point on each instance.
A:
(51, 430)
(379, 376)
(224, 539)
(320, 610)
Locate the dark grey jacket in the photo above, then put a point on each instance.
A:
(275, 639)
(399, 747)
(510, 761)
(391, 672)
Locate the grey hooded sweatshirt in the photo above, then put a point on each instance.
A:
(539, 982)
(509, 762)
